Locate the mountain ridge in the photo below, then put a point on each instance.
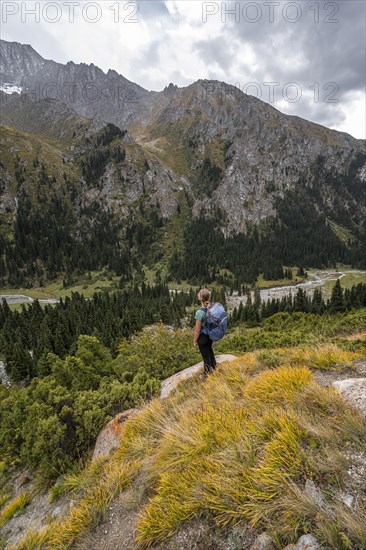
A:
(205, 150)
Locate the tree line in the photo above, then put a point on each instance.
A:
(253, 311)
(28, 335)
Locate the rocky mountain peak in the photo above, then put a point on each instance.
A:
(18, 61)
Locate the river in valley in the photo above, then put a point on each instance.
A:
(22, 299)
(315, 280)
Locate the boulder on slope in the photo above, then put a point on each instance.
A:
(111, 434)
(168, 385)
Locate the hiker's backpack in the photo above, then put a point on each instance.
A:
(216, 321)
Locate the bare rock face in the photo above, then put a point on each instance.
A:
(172, 382)
(111, 434)
(354, 392)
(18, 60)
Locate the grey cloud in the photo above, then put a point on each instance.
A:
(43, 42)
(178, 78)
(149, 9)
(150, 55)
(217, 50)
(330, 51)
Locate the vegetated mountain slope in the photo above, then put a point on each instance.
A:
(242, 155)
(77, 189)
(239, 152)
(226, 155)
(48, 117)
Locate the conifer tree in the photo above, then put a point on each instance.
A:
(337, 302)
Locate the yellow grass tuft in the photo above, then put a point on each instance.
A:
(77, 482)
(324, 356)
(356, 336)
(33, 539)
(278, 385)
(16, 505)
(4, 497)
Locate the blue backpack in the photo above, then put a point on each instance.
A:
(216, 321)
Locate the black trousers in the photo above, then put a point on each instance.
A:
(205, 347)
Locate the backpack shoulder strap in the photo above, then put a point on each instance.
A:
(210, 306)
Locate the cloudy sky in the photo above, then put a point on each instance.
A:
(305, 58)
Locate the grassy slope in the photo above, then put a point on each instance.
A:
(236, 449)
(343, 233)
(29, 146)
(351, 278)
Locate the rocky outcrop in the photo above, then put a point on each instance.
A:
(315, 493)
(18, 61)
(353, 391)
(172, 382)
(111, 434)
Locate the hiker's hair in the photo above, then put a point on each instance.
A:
(204, 295)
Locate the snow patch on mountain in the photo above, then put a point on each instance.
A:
(10, 88)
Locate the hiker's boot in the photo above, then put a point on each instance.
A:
(206, 368)
(206, 371)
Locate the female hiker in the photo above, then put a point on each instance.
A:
(201, 336)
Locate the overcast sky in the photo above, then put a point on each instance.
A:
(305, 58)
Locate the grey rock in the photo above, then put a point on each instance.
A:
(348, 500)
(57, 511)
(4, 379)
(312, 490)
(168, 385)
(307, 542)
(263, 542)
(354, 392)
